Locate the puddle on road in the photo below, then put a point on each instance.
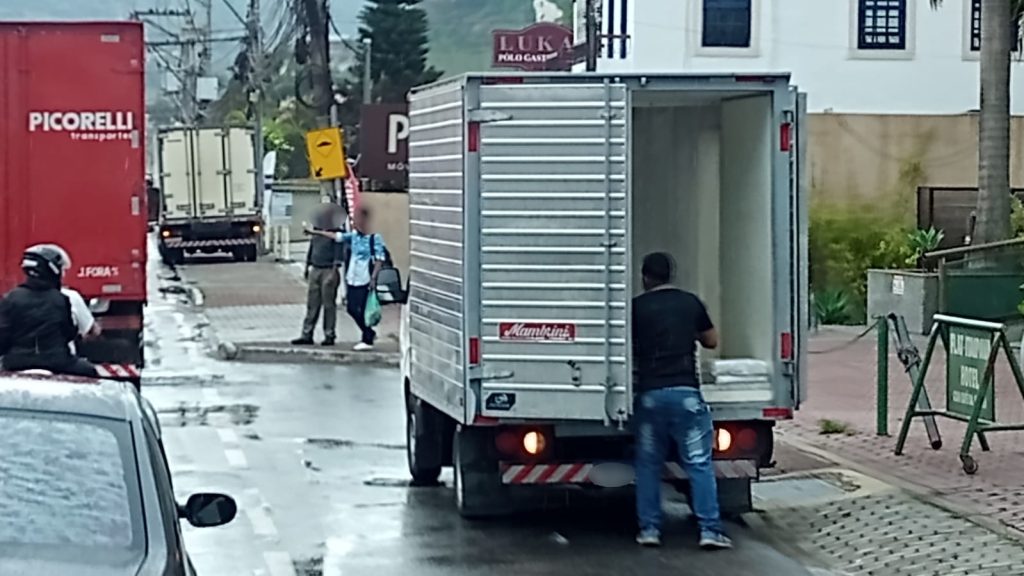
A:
(214, 415)
(800, 491)
(336, 443)
(398, 483)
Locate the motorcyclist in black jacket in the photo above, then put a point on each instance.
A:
(36, 323)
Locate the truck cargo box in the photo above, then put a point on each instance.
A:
(207, 173)
(533, 200)
(71, 152)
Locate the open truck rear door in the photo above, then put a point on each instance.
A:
(553, 228)
(796, 135)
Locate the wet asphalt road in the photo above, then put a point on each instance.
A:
(315, 457)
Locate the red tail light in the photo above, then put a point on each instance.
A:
(785, 136)
(777, 413)
(786, 345)
(474, 350)
(473, 137)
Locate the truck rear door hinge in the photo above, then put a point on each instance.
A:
(788, 368)
(485, 116)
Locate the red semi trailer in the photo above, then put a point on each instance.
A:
(72, 169)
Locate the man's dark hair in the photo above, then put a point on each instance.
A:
(658, 268)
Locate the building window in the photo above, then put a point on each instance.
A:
(882, 25)
(976, 29)
(726, 24)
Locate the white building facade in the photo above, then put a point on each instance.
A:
(850, 56)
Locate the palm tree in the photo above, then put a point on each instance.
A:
(998, 18)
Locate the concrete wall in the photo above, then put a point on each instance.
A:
(872, 156)
(816, 41)
(390, 217)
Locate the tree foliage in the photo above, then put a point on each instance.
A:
(397, 31)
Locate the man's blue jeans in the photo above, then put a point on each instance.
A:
(682, 415)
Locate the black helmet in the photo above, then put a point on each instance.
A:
(45, 261)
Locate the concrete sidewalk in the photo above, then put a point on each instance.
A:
(842, 391)
(256, 309)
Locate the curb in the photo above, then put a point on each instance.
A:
(196, 296)
(258, 353)
(923, 493)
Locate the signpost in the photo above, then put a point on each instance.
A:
(326, 151)
(972, 348)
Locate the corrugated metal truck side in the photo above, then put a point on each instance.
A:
(532, 201)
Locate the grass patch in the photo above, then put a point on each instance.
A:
(827, 427)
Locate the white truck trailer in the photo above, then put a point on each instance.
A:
(210, 196)
(533, 199)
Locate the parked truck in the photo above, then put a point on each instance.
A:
(533, 199)
(72, 169)
(207, 178)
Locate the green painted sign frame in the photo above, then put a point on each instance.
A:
(972, 349)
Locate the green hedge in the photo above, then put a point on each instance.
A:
(845, 241)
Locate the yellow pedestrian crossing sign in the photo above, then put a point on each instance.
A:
(326, 150)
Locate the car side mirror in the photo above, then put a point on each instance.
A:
(205, 510)
(389, 287)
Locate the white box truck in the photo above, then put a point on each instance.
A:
(533, 199)
(210, 200)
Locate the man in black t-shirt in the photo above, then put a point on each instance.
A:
(667, 325)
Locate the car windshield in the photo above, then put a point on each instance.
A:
(68, 489)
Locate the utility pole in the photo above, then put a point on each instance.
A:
(593, 44)
(367, 77)
(320, 56)
(206, 37)
(256, 80)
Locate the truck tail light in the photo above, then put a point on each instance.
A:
(534, 442)
(739, 440)
(786, 345)
(723, 440)
(777, 413)
(785, 136)
(473, 137)
(523, 442)
(474, 350)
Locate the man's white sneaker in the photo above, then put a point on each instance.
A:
(362, 347)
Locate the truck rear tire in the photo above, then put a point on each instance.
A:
(423, 445)
(479, 492)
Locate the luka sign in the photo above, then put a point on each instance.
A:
(539, 47)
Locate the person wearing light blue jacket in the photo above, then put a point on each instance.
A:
(365, 255)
